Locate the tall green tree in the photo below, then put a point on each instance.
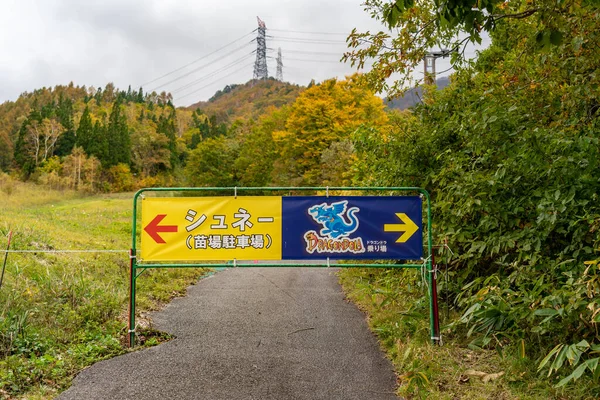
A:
(118, 137)
(257, 152)
(64, 115)
(85, 131)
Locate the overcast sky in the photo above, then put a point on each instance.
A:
(133, 42)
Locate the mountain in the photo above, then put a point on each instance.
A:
(413, 96)
(249, 100)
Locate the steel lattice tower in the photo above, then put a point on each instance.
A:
(279, 75)
(260, 66)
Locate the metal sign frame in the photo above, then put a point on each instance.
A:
(427, 264)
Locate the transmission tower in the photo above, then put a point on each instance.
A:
(279, 75)
(260, 66)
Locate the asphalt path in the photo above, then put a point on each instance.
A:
(252, 333)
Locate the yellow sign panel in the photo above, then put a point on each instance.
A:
(211, 228)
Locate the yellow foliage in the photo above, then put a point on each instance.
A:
(322, 115)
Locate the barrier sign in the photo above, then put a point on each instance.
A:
(238, 228)
(281, 228)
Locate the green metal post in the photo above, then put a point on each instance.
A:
(430, 272)
(132, 280)
(132, 272)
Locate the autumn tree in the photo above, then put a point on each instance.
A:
(150, 150)
(324, 114)
(81, 171)
(41, 139)
(414, 28)
(6, 152)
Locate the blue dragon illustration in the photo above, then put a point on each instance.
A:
(330, 216)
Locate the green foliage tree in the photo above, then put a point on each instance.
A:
(64, 115)
(85, 131)
(211, 163)
(117, 133)
(98, 144)
(166, 126)
(422, 26)
(509, 152)
(258, 151)
(150, 151)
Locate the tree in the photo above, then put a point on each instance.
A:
(509, 152)
(150, 151)
(64, 115)
(41, 139)
(166, 126)
(117, 134)
(211, 163)
(85, 131)
(98, 143)
(422, 26)
(6, 152)
(81, 171)
(258, 152)
(322, 115)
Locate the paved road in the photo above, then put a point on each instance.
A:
(252, 333)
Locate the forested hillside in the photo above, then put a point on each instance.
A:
(106, 139)
(250, 100)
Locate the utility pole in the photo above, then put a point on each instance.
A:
(429, 64)
(260, 66)
(279, 75)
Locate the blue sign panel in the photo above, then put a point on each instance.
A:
(361, 227)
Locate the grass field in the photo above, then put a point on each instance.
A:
(62, 312)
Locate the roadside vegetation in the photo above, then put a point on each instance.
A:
(510, 152)
(62, 312)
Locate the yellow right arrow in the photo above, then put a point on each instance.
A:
(408, 227)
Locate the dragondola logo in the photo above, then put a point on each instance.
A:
(334, 236)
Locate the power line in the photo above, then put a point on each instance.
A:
(318, 61)
(212, 83)
(198, 59)
(315, 52)
(305, 40)
(203, 78)
(309, 33)
(199, 68)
